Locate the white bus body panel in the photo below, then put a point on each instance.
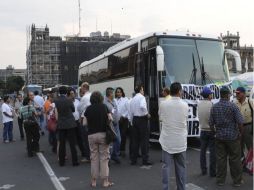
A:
(126, 83)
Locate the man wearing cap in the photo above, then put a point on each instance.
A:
(207, 136)
(227, 120)
(246, 108)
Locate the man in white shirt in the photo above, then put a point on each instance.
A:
(140, 131)
(85, 100)
(83, 104)
(18, 104)
(173, 114)
(207, 136)
(7, 114)
(39, 103)
(79, 130)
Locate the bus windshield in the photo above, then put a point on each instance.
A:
(194, 61)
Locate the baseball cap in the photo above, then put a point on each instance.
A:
(240, 89)
(225, 90)
(206, 91)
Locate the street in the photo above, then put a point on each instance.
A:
(18, 172)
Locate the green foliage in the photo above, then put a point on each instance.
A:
(14, 84)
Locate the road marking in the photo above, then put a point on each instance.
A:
(198, 149)
(191, 186)
(58, 185)
(146, 167)
(7, 186)
(63, 178)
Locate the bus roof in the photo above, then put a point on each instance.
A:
(33, 85)
(129, 42)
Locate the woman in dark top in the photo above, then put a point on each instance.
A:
(97, 116)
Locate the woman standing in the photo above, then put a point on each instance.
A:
(122, 103)
(27, 112)
(97, 116)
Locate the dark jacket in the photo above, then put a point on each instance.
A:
(65, 108)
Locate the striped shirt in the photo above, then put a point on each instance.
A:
(225, 117)
(26, 111)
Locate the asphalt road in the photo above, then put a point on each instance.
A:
(18, 172)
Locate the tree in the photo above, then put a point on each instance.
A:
(14, 84)
(2, 84)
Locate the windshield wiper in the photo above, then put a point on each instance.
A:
(204, 75)
(193, 78)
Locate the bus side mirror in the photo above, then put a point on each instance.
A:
(160, 58)
(237, 58)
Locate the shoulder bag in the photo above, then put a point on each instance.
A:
(111, 135)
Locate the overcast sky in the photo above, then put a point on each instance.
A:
(134, 17)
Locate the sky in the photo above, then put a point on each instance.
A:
(133, 17)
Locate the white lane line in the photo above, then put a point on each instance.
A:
(58, 185)
(191, 186)
(7, 186)
(197, 149)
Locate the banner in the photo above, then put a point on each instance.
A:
(192, 95)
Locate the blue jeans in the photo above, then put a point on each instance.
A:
(117, 144)
(180, 169)
(7, 133)
(208, 141)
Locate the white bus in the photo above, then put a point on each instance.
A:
(156, 60)
(31, 88)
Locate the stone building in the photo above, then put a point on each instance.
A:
(232, 41)
(11, 71)
(43, 57)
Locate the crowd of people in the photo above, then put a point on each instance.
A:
(226, 129)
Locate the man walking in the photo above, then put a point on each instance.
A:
(227, 120)
(173, 114)
(7, 113)
(207, 136)
(140, 130)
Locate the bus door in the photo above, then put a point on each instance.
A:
(146, 74)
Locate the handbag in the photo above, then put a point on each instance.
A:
(52, 124)
(31, 120)
(111, 135)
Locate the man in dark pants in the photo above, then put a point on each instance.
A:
(228, 121)
(31, 127)
(140, 129)
(79, 129)
(66, 126)
(18, 104)
(207, 136)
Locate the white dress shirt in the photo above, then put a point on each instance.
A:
(173, 114)
(138, 106)
(122, 107)
(76, 113)
(84, 103)
(7, 109)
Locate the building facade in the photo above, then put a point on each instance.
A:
(52, 61)
(43, 57)
(11, 71)
(232, 41)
